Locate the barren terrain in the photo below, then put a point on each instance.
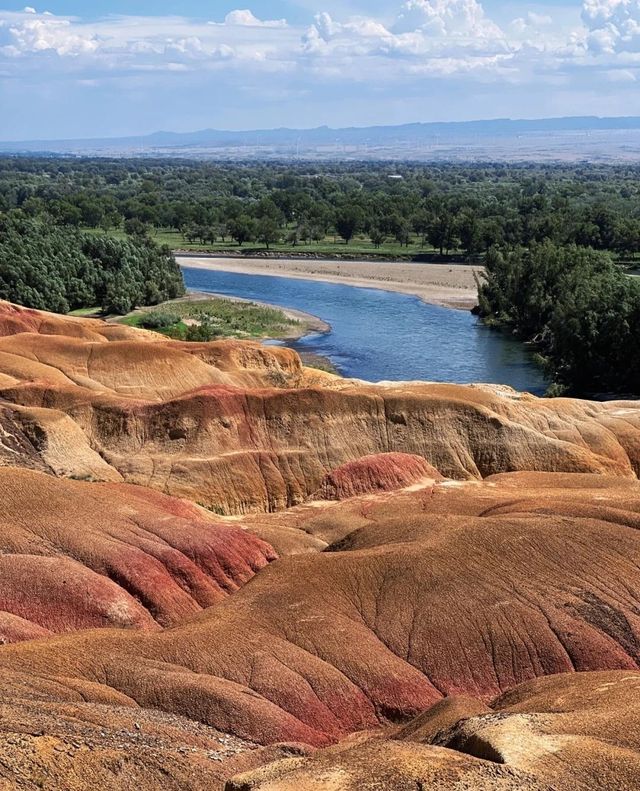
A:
(220, 569)
(451, 285)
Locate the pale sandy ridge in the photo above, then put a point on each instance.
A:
(449, 285)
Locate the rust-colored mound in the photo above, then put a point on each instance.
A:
(75, 555)
(234, 425)
(399, 588)
(431, 592)
(381, 473)
(52, 738)
(15, 319)
(564, 732)
(137, 368)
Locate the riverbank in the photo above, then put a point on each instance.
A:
(333, 252)
(296, 323)
(307, 323)
(447, 285)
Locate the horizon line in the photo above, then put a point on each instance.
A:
(144, 135)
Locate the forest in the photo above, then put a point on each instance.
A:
(61, 269)
(576, 306)
(557, 241)
(408, 210)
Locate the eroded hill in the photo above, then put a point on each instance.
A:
(279, 565)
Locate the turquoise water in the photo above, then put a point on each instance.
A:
(381, 335)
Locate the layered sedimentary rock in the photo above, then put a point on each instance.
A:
(238, 428)
(439, 545)
(564, 732)
(75, 555)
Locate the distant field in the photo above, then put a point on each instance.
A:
(93, 312)
(359, 246)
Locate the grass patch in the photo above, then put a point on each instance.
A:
(202, 320)
(330, 246)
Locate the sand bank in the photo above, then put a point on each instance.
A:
(449, 285)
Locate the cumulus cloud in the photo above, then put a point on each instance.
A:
(417, 43)
(247, 18)
(458, 18)
(435, 37)
(532, 23)
(613, 25)
(118, 44)
(358, 36)
(45, 33)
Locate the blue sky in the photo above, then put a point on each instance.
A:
(78, 69)
(193, 8)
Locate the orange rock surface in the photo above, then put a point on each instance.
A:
(463, 547)
(240, 428)
(563, 732)
(453, 589)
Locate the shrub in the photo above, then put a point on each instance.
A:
(202, 333)
(159, 320)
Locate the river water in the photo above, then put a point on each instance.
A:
(382, 335)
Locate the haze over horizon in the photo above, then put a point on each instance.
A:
(132, 68)
(592, 120)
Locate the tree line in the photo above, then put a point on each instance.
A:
(576, 306)
(58, 268)
(552, 238)
(467, 209)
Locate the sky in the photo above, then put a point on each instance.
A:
(77, 69)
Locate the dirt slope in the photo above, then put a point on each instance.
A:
(564, 732)
(76, 555)
(425, 598)
(439, 545)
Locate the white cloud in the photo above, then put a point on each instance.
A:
(435, 37)
(35, 34)
(246, 18)
(418, 44)
(357, 36)
(532, 24)
(613, 25)
(457, 18)
(117, 44)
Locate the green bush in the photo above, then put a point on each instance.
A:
(202, 333)
(158, 320)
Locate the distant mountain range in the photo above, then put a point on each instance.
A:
(568, 138)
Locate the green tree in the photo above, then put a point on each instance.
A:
(242, 229)
(377, 237)
(348, 220)
(268, 231)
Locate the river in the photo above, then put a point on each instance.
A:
(382, 335)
